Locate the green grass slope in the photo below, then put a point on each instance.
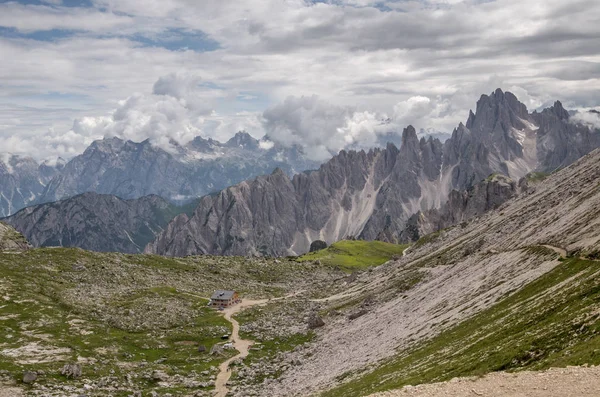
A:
(355, 254)
(552, 322)
(122, 317)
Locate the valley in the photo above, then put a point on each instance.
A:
(299, 198)
(465, 301)
(433, 263)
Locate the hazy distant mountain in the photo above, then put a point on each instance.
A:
(23, 180)
(96, 222)
(372, 195)
(430, 132)
(131, 170)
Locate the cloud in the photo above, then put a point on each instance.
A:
(591, 118)
(420, 62)
(321, 128)
(32, 18)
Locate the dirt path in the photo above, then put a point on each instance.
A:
(555, 382)
(6, 391)
(241, 345)
(560, 251)
(404, 250)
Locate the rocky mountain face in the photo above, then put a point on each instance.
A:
(463, 205)
(131, 170)
(95, 222)
(506, 260)
(372, 195)
(22, 181)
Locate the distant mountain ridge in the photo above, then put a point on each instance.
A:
(131, 170)
(23, 180)
(96, 222)
(371, 195)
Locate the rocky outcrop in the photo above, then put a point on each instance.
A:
(11, 240)
(462, 206)
(372, 195)
(317, 245)
(95, 222)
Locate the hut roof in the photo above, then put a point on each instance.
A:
(222, 295)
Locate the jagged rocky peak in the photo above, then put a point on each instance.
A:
(107, 144)
(409, 138)
(244, 140)
(373, 194)
(558, 110)
(203, 145)
(498, 112)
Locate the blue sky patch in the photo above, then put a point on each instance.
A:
(176, 39)
(41, 35)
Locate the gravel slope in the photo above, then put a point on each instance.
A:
(556, 382)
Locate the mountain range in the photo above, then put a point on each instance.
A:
(371, 195)
(391, 194)
(131, 170)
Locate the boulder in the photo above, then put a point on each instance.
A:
(315, 321)
(29, 377)
(317, 245)
(160, 376)
(71, 371)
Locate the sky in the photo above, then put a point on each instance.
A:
(323, 74)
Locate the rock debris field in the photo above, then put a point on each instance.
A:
(555, 382)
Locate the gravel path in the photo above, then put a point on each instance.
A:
(10, 391)
(241, 345)
(555, 382)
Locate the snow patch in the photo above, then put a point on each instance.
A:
(5, 158)
(266, 145)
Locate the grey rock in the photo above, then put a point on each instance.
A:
(317, 245)
(216, 350)
(160, 376)
(356, 314)
(315, 321)
(11, 240)
(29, 377)
(71, 371)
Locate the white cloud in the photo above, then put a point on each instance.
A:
(587, 117)
(322, 128)
(424, 63)
(32, 18)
